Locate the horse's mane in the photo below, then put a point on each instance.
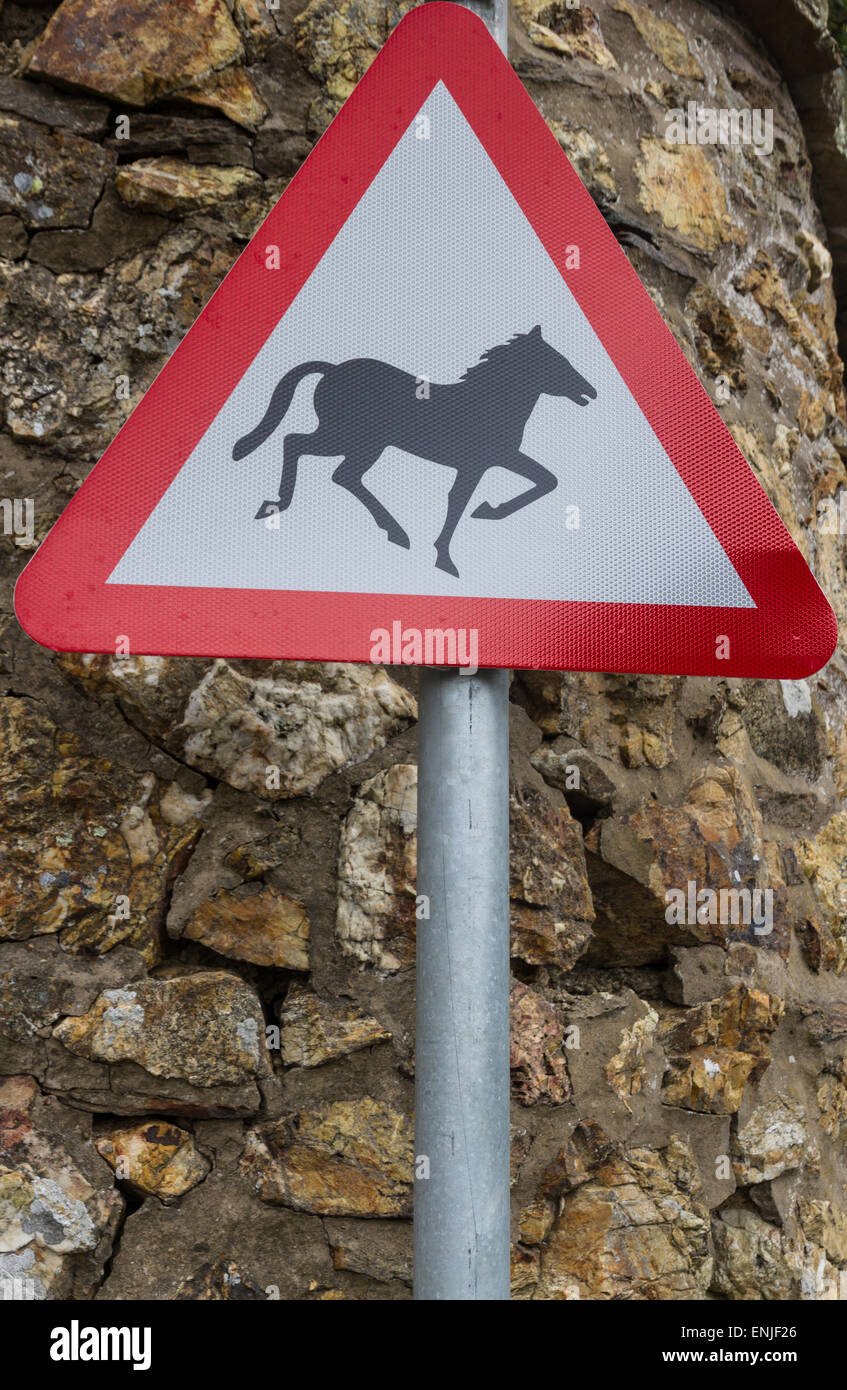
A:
(494, 356)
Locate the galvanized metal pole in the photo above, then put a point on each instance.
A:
(462, 1040)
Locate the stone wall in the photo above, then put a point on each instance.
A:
(208, 918)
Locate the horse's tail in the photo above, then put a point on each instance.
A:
(277, 406)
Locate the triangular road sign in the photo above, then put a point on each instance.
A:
(436, 324)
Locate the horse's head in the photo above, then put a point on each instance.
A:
(553, 374)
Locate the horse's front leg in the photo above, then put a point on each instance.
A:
(457, 500)
(543, 481)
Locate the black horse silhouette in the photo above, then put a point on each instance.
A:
(365, 406)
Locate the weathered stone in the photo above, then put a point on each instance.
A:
(825, 1225)
(154, 1159)
(252, 923)
(56, 1223)
(714, 1048)
(682, 185)
(315, 1030)
(39, 982)
(742, 1019)
(219, 1281)
(667, 42)
(13, 237)
(763, 281)
(339, 41)
(127, 1089)
(524, 1266)
(720, 347)
(49, 178)
(377, 867)
(572, 31)
(206, 1028)
(756, 1260)
(256, 27)
(824, 861)
(629, 719)
(114, 232)
(535, 1222)
(647, 868)
(629, 1068)
(832, 1101)
(219, 1223)
(826, 1022)
(196, 137)
(90, 855)
(634, 1229)
(537, 1062)
(710, 1079)
(28, 1005)
(577, 773)
(345, 1158)
(232, 92)
(520, 1144)
(277, 734)
(132, 54)
(749, 1258)
(68, 340)
(257, 857)
(58, 110)
(173, 185)
(587, 1151)
(588, 158)
(551, 908)
(380, 1249)
(771, 1140)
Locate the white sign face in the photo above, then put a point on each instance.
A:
(612, 522)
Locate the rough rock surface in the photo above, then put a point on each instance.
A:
(134, 55)
(57, 1215)
(274, 728)
(153, 1159)
(315, 1031)
(265, 927)
(207, 881)
(629, 1225)
(205, 1028)
(349, 1158)
(551, 909)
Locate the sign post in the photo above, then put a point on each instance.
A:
(462, 1032)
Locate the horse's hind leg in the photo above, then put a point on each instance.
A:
(543, 481)
(349, 474)
(294, 446)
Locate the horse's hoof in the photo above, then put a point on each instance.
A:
(268, 509)
(446, 564)
(485, 512)
(399, 537)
